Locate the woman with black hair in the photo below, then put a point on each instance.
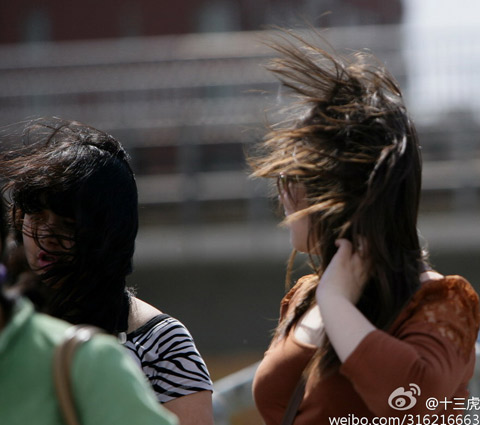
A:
(373, 331)
(107, 386)
(74, 208)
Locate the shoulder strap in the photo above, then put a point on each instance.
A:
(294, 403)
(62, 366)
(297, 396)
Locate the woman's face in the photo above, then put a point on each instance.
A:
(54, 237)
(293, 198)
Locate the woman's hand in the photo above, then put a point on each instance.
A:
(346, 275)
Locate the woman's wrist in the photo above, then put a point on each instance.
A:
(344, 324)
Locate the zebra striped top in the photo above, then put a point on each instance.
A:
(165, 350)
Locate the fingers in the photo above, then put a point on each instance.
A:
(362, 247)
(343, 243)
(347, 247)
(346, 274)
(346, 256)
(344, 248)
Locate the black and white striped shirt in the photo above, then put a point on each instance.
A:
(165, 351)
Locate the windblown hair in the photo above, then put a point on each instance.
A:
(355, 149)
(81, 174)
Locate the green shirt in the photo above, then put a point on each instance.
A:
(107, 385)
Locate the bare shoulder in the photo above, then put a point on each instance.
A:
(140, 313)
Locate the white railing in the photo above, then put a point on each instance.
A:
(233, 394)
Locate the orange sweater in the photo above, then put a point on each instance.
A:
(428, 350)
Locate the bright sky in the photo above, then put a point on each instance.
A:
(442, 55)
(442, 12)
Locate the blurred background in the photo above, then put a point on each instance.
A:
(183, 86)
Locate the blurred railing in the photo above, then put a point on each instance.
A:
(233, 394)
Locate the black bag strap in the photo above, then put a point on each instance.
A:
(294, 402)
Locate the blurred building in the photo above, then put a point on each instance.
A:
(54, 20)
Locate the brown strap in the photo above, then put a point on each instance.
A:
(294, 403)
(62, 367)
(297, 396)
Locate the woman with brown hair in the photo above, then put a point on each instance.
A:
(372, 332)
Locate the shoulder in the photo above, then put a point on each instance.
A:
(449, 290)
(122, 396)
(36, 328)
(100, 348)
(297, 293)
(167, 354)
(140, 313)
(159, 329)
(162, 338)
(101, 354)
(447, 307)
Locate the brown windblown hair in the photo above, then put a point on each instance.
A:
(356, 151)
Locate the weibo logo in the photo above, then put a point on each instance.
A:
(404, 399)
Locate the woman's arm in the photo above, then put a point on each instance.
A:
(173, 365)
(109, 388)
(339, 289)
(432, 351)
(193, 409)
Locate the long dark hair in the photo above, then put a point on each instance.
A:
(83, 174)
(350, 141)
